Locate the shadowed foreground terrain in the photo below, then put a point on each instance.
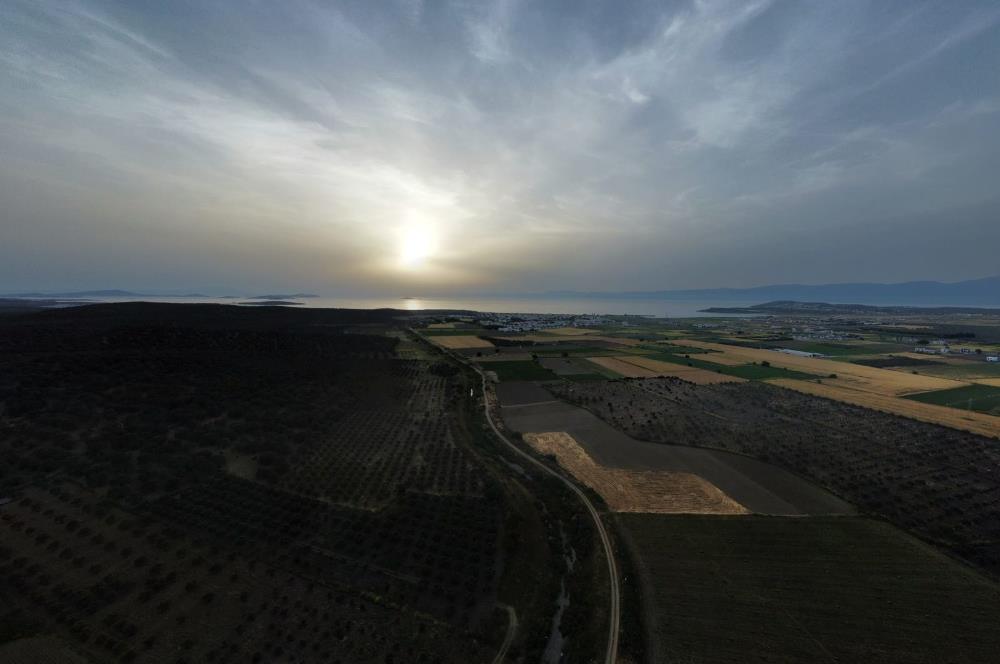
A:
(815, 589)
(216, 484)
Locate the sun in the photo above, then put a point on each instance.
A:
(416, 246)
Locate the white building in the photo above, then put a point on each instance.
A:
(993, 358)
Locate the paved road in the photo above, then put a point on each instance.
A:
(614, 610)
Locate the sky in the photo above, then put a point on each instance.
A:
(423, 148)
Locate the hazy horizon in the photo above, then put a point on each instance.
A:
(451, 148)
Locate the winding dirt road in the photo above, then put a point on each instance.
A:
(614, 610)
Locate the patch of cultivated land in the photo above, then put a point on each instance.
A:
(973, 422)
(519, 393)
(694, 375)
(621, 367)
(983, 398)
(758, 486)
(816, 589)
(657, 492)
(462, 341)
(940, 483)
(853, 376)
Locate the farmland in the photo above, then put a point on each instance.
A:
(635, 490)
(740, 589)
(982, 398)
(936, 482)
(219, 484)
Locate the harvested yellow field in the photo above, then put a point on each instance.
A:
(980, 423)
(461, 341)
(619, 366)
(441, 326)
(995, 382)
(648, 491)
(855, 376)
(552, 338)
(694, 375)
(717, 358)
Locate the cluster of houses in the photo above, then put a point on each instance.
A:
(941, 347)
(535, 322)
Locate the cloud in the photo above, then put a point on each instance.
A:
(547, 147)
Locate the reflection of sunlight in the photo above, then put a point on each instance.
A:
(412, 304)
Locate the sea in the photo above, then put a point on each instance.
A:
(513, 305)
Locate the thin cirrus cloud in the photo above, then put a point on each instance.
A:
(517, 145)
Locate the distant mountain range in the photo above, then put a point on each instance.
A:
(974, 292)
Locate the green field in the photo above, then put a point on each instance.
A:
(983, 398)
(520, 370)
(814, 589)
(455, 332)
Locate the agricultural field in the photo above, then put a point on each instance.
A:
(648, 491)
(982, 398)
(461, 342)
(936, 482)
(760, 487)
(635, 366)
(814, 589)
(520, 370)
(214, 484)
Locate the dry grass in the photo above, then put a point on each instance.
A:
(694, 375)
(461, 341)
(995, 382)
(648, 491)
(883, 382)
(621, 367)
(980, 423)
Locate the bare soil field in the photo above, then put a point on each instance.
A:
(441, 326)
(567, 366)
(758, 486)
(995, 382)
(978, 423)
(518, 393)
(815, 589)
(694, 375)
(935, 481)
(649, 491)
(855, 376)
(504, 357)
(461, 342)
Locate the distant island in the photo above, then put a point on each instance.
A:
(786, 307)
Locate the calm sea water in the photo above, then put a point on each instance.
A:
(659, 308)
